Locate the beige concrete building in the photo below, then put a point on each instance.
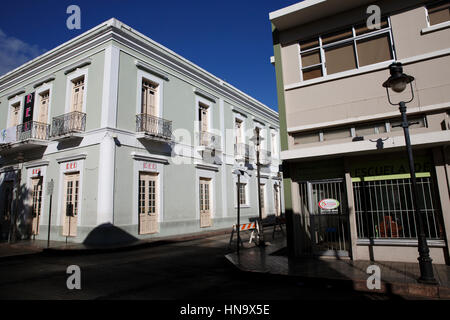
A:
(341, 138)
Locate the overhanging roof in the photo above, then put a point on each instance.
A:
(311, 10)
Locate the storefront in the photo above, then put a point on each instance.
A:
(361, 207)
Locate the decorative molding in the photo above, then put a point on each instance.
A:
(37, 164)
(17, 93)
(44, 80)
(205, 95)
(203, 166)
(259, 121)
(151, 69)
(77, 65)
(80, 156)
(152, 158)
(237, 110)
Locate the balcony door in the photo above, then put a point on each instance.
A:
(205, 202)
(36, 203)
(77, 95)
(148, 203)
(238, 131)
(149, 98)
(43, 107)
(15, 115)
(70, 204)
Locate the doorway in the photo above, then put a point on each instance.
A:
(328, 226)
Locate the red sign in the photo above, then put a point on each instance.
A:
(149, 166)
(36, 171)
(71, 165)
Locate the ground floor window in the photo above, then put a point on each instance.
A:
(384, 209)
(148, 202)
(242, 193)
(36, 203)
(205, 202)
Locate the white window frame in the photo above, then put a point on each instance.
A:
(60, 195)
(245, 178)
(30, 176)
(37, 101)
(141, 75)
(352, 40)
(209, 105)
(206, 174)
(138, 166)
(69, 84)
(242, 120)
(11, 102)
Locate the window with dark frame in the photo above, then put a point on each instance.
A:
(344, 50)
(438, 12)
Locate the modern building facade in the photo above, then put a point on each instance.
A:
(341, 138)
(119, 129)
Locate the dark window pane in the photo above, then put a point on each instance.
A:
(310, 58)
(336, 36)
(309, 44)
(340, 58)
(312, 73)
(374, 50)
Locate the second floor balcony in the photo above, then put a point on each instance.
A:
(153, 128)
(265, 157)
(241, 151)
(24, 137)
(68, 125)
(209, 140)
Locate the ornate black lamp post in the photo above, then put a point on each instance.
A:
(398, 82)
(257, 141)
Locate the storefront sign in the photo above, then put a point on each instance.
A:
(389, 167)
(328, 204)
(28, 109)
(36, 171)
(149, 166)
(71, 165)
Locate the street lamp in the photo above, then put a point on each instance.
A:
(239, 173)
(256, 139)
(398, 82)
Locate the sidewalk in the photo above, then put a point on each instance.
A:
(396, 278)
(31, 247)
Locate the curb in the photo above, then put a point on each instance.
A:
(390, 288)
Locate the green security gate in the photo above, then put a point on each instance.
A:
(329, 230)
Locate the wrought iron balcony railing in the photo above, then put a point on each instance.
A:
(154, 126)
(32, 130)
(242, 150)
(71, 122)
(265, 157)
(209, 140)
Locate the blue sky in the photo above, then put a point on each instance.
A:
(231, 39)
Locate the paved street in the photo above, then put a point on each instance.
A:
(194, 269)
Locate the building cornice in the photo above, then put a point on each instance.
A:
(117, 31)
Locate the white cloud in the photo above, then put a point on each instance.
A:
(14, 52)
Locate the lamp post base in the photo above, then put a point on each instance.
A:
(426, 271)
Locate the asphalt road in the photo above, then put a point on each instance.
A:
(194, 270)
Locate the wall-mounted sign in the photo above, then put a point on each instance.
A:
(149, 166)
(71, 165)
(328, 204)
(35, 171)
(28, 109)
